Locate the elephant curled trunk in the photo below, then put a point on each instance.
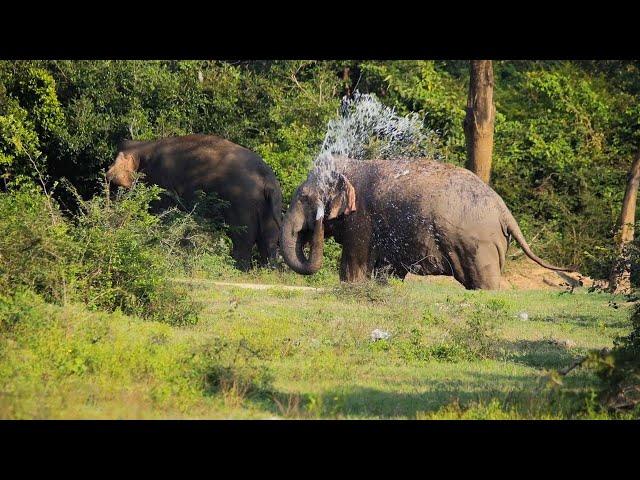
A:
(294, 237)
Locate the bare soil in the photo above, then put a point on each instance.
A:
(525, 274)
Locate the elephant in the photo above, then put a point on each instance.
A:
(405, 216)
(185, 164)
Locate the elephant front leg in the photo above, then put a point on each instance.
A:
(355, 265)
(354, 268)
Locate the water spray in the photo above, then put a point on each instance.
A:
(366, 129)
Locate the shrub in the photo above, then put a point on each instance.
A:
(112, 254)
(453, 350)
(233, 370)
(16, 307)
(37, 247)
(477, 337)
(619, 369)
(369, 290)
(124, 256)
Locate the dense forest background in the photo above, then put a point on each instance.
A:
(565, 131)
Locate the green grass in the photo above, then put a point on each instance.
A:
(308, 354)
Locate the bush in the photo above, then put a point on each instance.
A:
(112, 254)
(619, 370)
(233, 370)
(16, 307)
(474, 340)
(37, 246)
(477, 337)
(125, 256)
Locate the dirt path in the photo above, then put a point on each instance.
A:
(252, 286)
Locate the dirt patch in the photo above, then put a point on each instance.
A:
(525, 274)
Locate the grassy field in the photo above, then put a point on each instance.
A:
(308, 353)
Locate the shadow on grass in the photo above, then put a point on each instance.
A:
(526, 394)
(540, 354)
(581, 320)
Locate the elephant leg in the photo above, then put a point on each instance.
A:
(267, 240)
(243, 238)
(453, 265)
(241, 251)
(354, 267)
(486, 270)
(358, 259)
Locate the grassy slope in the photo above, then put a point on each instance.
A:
(280, 353)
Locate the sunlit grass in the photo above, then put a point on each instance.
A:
(308, 354)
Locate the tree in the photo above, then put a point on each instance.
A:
(620, 279)
(478, 122)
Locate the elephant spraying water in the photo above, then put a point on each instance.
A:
(407, 216)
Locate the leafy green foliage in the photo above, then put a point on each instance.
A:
(619, 369)
(30, 116)
(123, 265)
(76, 112)
(564, 132)
(37, 246)
(112, 254)
(422, 87)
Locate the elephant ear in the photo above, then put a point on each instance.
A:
(344, 201)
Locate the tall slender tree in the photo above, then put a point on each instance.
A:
(620, 279)
(478, 123)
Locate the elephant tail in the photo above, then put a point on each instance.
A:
(512, 228)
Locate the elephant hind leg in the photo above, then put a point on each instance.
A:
(267, 239)
(241, 253)
(243, 239)
(489, 279)
(486, 270)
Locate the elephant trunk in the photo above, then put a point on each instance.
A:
(293, 241)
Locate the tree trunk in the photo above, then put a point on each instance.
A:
(346, 80)
(620, 280)
(478, 123)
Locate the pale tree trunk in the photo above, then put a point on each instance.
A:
(478, 123)
(620, 280)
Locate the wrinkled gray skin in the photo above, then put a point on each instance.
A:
(411, 216)
(184, 165)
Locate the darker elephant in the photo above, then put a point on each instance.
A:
(184, 165)
(418, 216)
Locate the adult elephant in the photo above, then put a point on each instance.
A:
(184, 165)
(417, 215)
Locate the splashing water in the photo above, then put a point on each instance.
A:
(367, 129)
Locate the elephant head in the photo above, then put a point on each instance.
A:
(311, 204)
(123, 169)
